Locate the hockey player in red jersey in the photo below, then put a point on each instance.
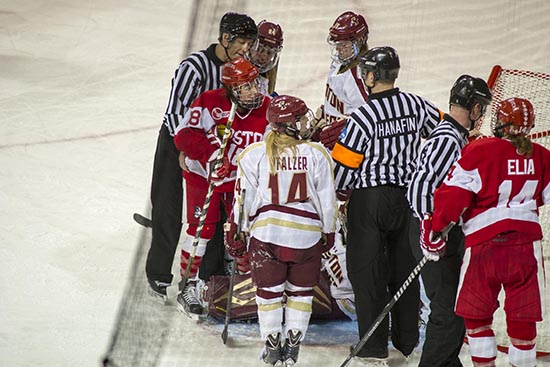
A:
(198, 137)
(265, 52)
(497, 186)
(289, 204)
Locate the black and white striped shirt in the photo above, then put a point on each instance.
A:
(197, 73)
(380, 143)
(438, 154)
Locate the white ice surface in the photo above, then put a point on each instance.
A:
(83, 86)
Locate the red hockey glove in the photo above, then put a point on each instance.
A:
(330, 133)
(328, 239)
(234, 242)
(432, 244)
(221, 170)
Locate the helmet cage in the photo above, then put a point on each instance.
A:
(344, 51)
(247, 94)
(302, 128)
(264, 57)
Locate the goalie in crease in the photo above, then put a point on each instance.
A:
(501, 181)
(287, 212)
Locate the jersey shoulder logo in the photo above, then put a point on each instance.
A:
(218, 113)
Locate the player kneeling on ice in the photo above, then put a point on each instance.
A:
(498, 183)
(290, 215)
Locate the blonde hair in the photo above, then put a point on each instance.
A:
(522, 143)
(276, 145)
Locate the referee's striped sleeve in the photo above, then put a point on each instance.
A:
(195, 75)
(438, 154)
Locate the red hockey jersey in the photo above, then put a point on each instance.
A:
(200, 133)
(498, 189)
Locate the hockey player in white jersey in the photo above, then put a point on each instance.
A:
(290, 215)
(345, 90)
(264, 54)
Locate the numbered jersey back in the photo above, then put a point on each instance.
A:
(508, 190)
(292, 206)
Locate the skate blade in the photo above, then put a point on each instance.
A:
(157, 297)
(193, 316)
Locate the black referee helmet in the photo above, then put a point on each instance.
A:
(238, 25)
(383, 61)
(468, 90)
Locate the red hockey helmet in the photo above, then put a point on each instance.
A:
(348, 26)
(239, 76)
(514, 116)
(265, 52)
(290, 115)
(347, 37)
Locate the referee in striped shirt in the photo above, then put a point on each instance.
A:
(445, 330)
(375, 158)
(197, 73)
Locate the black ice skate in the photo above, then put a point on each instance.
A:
(272, 353)
(292, 347)
(157, 289)
(188, 301)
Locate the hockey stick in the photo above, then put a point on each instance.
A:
(208, 197)
(143, 221)
(233, 272)
(392, 302)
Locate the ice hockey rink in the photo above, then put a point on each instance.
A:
(83, 87)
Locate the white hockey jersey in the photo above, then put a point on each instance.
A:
(344, 92)
(293, 207)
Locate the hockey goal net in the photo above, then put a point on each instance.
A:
(534, 86)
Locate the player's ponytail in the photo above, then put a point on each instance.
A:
(276, 144)
(522, 143)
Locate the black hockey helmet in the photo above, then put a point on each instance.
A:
(238, 25)
(383, 61)
(468, 90)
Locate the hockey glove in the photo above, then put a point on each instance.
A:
(432, 244)
(327, 239)
(220, 171)
(234, 242)
(330, 133)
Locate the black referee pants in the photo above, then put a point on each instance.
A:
(379, 260)
(445, 330)
(166, 217)
(166, 201)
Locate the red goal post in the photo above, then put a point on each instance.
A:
(534, 86)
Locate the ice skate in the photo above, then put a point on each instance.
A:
(157, 290)
(272, 353)
(189, 303)
(292, 347)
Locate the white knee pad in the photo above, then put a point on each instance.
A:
(522, 358)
